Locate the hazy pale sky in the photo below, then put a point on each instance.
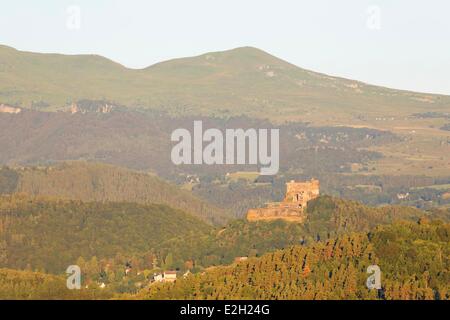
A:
(402, 44)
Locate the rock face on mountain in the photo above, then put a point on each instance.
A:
(293, 206)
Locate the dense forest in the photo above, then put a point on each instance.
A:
(327, 217)
(49, 235)
(27, 285)
(413, 258)
(87, 181)
(122, 245)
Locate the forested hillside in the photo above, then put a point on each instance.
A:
(123, 244)
(49, 235)
(86, 181)
(327, 217)
(413, 257)
(27, 285)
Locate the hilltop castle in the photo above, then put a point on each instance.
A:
(293, 206)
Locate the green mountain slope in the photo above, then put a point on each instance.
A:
(413, 259)
(101, 182)
(239, 81)
(27, 285)
(55, 78)
(103, 238)
(50, 235)
(327, 218)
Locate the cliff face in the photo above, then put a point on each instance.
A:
(293, 206)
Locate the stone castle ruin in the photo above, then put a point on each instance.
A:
(293, 206)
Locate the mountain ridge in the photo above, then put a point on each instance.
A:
(240, 81)
(251, 49)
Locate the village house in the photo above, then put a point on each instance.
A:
(166, 276)
(170, 276)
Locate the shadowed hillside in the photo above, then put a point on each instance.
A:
(49, 235)
(101, 182)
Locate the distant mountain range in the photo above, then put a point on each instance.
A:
(240, 81)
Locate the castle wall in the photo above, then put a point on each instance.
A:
(292, 208)
(269, 214)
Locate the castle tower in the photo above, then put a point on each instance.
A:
(292, 208)
(301, 192)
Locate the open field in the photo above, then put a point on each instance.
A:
(249, 176)
(424, 151)
(436, 187)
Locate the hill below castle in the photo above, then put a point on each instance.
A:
(412, 258)
(123, 244)
(327, 218)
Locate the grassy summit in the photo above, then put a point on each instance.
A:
(240, 81)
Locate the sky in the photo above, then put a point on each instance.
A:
(403, 44)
